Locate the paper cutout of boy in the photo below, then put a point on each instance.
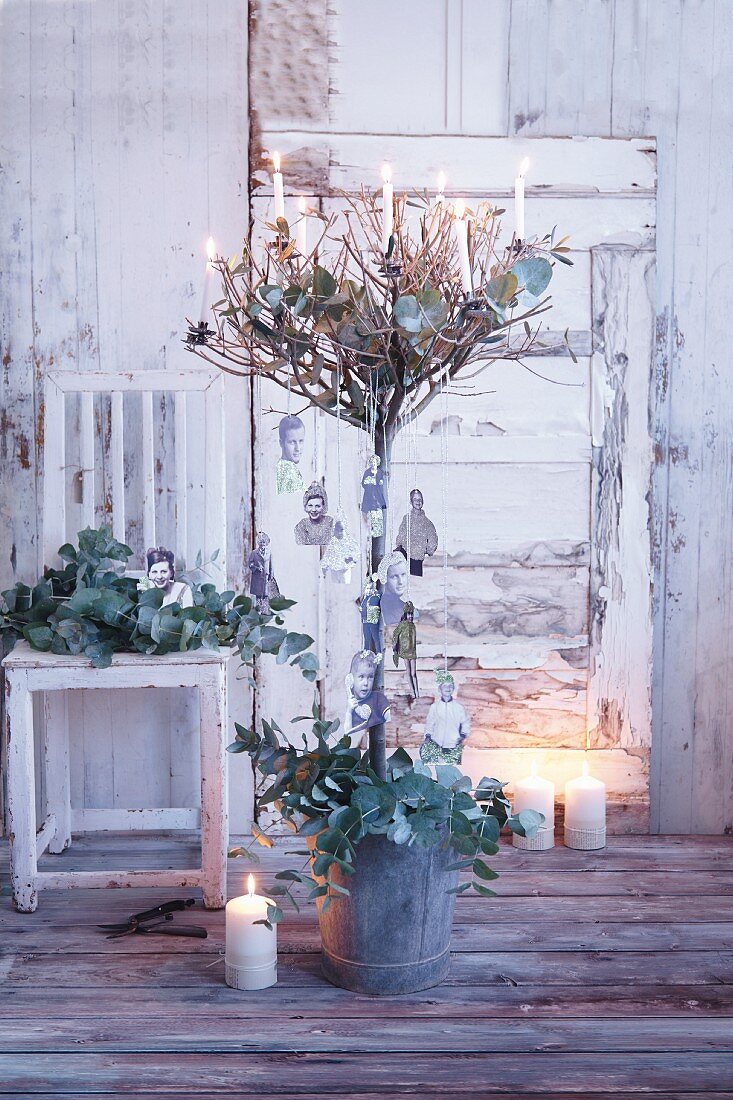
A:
(393, 575)
(288, 477)
(417, 536)
(365, 707)
(447, 725)
(342, 552)
(374, 497)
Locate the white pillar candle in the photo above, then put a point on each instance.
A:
(251, 949)
(536, 793)
(208, 280)
(277, 187)
(301, 229)
(519, 200)
(585, 812)
(460, 227)
(387, 207)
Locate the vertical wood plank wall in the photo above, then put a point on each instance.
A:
(611, 68)
(123, 143)
(120, 150)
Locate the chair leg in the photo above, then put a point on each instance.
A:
(21, 791)
(56, 767)
(214, 809)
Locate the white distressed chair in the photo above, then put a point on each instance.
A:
(28, 671)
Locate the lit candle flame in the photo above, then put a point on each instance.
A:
(387, 173)
(441, 182)
(276, 161)
(211, 249)
(459, 209)
(523, 167)
(301, 205)
(251, 885)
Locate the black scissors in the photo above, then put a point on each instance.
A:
(157, 921)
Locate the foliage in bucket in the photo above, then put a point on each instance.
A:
(91, 607)
(328, 793)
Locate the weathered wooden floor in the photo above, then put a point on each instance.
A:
(592, 974)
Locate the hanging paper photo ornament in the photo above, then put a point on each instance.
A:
(404, 646)
(374, 496)
(371, 617)
(342, 552)
(447, 725)
(289, 479)
(365, 706)
(161, 574)
(393, 578)
(317, 527)
(262, 584)
(417, 536)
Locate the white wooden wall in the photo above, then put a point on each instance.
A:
(123, 143)
(120, 153)
(610, 68)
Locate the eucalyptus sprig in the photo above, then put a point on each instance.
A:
(91, 607)
(327, 793)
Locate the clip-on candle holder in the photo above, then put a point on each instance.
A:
(198, 334)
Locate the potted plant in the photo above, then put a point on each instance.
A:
(383, 853)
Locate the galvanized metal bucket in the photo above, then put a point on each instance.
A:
(392, 933)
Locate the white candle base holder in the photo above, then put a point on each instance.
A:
(585, 839)
(250, 977)
(542, 841)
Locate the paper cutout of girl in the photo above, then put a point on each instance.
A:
(262, 583)
(371, 617)
(317, 527)
(417, 536)
(404, 646)
(365, 707)
(447, 725)
(341, 554)
(374, 497)
(288, 477)
(161, 571)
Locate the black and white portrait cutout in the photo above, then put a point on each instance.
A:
(371, 616)
(374, 496)
(393, 577)
(161, 574)
(342, 552)
(365, 707)
(292, 441)
(447, 725)
(404, 646)
(262, 584)
(417, 536)
(317, 527)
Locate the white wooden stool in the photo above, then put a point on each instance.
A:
(26, 671)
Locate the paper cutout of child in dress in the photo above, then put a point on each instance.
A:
(374, 497)
(393, 577)
(262, 584)
(371, 617)
(317, 527)
(417, 536)
(342, 552)
(365, 707)
(288, 477)
(447, 725)
(404, 646)
(161, 572)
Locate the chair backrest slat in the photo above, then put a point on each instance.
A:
(148, 471)
(87, 458)
(117, 461)
(179, 426)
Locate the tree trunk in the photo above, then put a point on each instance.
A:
(383, 439)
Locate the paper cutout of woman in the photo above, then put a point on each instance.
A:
(342, 552)
(404, 646)
(365, 707)
(393, 575)
(162, 574)
(288, 477)
(317, 527)
(374, 497)
(262, 583)
(371, 617)
(447, 725)
(417, 536)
